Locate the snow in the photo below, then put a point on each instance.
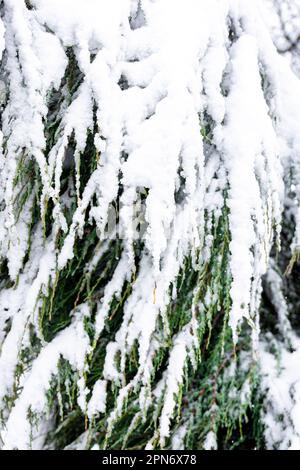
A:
(2, 42)
(178, 71)
(73, 345)
(97, 402)
(247, 118)
(20, 304)
(96, 24)
(178, 438)
(281, 382)
(183, 345)
(210, 442)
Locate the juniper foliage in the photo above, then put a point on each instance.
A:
(149, 197)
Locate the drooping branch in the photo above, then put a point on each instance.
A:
(143, 169)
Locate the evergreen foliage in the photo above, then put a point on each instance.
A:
(149, 227)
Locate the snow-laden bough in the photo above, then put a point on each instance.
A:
(145, 149)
